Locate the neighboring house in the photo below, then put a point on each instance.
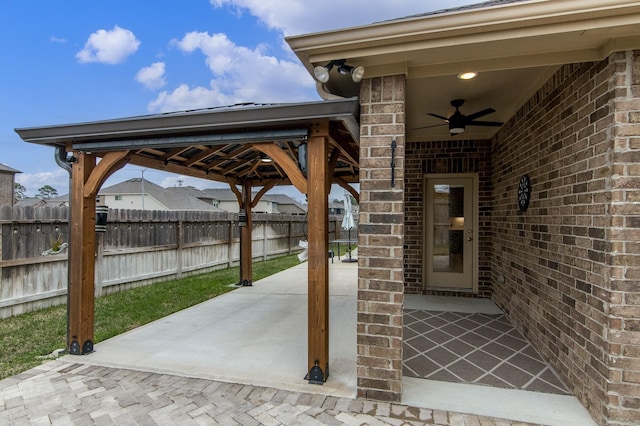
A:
(336, 208)
(537, 158)
(286, 205)
(7, 184)
(33, 202)
(269, 203)
(139, 194)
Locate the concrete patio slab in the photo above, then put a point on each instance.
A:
(253, 335)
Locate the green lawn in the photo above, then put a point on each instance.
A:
(26, 337)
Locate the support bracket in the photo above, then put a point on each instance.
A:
(316, 376)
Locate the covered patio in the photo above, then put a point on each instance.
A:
(248, 146)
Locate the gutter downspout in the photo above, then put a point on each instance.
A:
(61, 160)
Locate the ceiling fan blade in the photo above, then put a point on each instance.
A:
(479, 114)
(484, 123)
(438, 116)
(426, 127)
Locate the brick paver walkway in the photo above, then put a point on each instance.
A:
(66, 393)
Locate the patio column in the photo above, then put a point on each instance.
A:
(246, 252)
(86, 179)
(318, 266)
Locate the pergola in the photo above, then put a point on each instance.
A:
(310, 145)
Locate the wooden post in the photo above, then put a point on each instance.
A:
(318, 268)
(246, 252)
(87, 177)
(81, 257)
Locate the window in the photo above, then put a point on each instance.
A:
(118, 197)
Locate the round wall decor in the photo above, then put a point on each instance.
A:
(524, 193)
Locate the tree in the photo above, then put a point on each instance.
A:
(47, 192)
(19, 191)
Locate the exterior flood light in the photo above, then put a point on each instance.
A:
(322, 72)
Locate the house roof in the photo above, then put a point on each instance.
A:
(224, 194)
(284, 199)
(174, 198)
(514, 45)
(223, 144)
(6, 169)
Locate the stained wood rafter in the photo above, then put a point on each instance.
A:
(283, 160)
(110, 162)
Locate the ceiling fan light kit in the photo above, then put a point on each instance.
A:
(458, 121)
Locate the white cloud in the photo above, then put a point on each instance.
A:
(184, 97)
(152, 77)
(240, 74)
(109, 47)
(300, 17)
(58, 179)
(54, 39)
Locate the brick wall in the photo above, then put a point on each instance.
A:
(6, 188)
(623, 392)
(453, 156)
(380, 240)
(566, 270)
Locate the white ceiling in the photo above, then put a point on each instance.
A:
(504, 90)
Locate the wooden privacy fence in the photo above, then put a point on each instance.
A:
(138, 248)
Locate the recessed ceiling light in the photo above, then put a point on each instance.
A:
(467, 75)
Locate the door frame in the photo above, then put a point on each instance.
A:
(475, 220)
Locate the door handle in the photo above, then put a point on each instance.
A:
(469, 238)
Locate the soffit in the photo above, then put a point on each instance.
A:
(514, 46)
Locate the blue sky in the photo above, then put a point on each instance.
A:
(69, 61)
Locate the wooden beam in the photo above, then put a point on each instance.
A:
(287, 164)
(110, 163)
(81, 258)
(246, 250)
(237, 193)
(348, 187)
(318, 268)
(175, 168)
(333, 160)
(262, 191)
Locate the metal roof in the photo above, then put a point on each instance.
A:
(217, 143)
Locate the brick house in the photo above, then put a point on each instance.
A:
(519, 185)
(564, 78)
(7, 183)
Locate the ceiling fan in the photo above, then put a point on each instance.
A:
(458, 121)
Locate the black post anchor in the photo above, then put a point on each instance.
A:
(87, 348)
(316, 376)
(74, 347)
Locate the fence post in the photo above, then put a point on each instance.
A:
(179, 240)
(99, 272)
(264, 238)
(230, 243)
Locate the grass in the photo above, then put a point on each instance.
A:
(25, 338)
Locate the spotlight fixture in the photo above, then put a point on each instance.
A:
(265, 158)
(322, 72)
(467, 75)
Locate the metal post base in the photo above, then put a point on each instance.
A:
(316, 376)
(74, 347)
